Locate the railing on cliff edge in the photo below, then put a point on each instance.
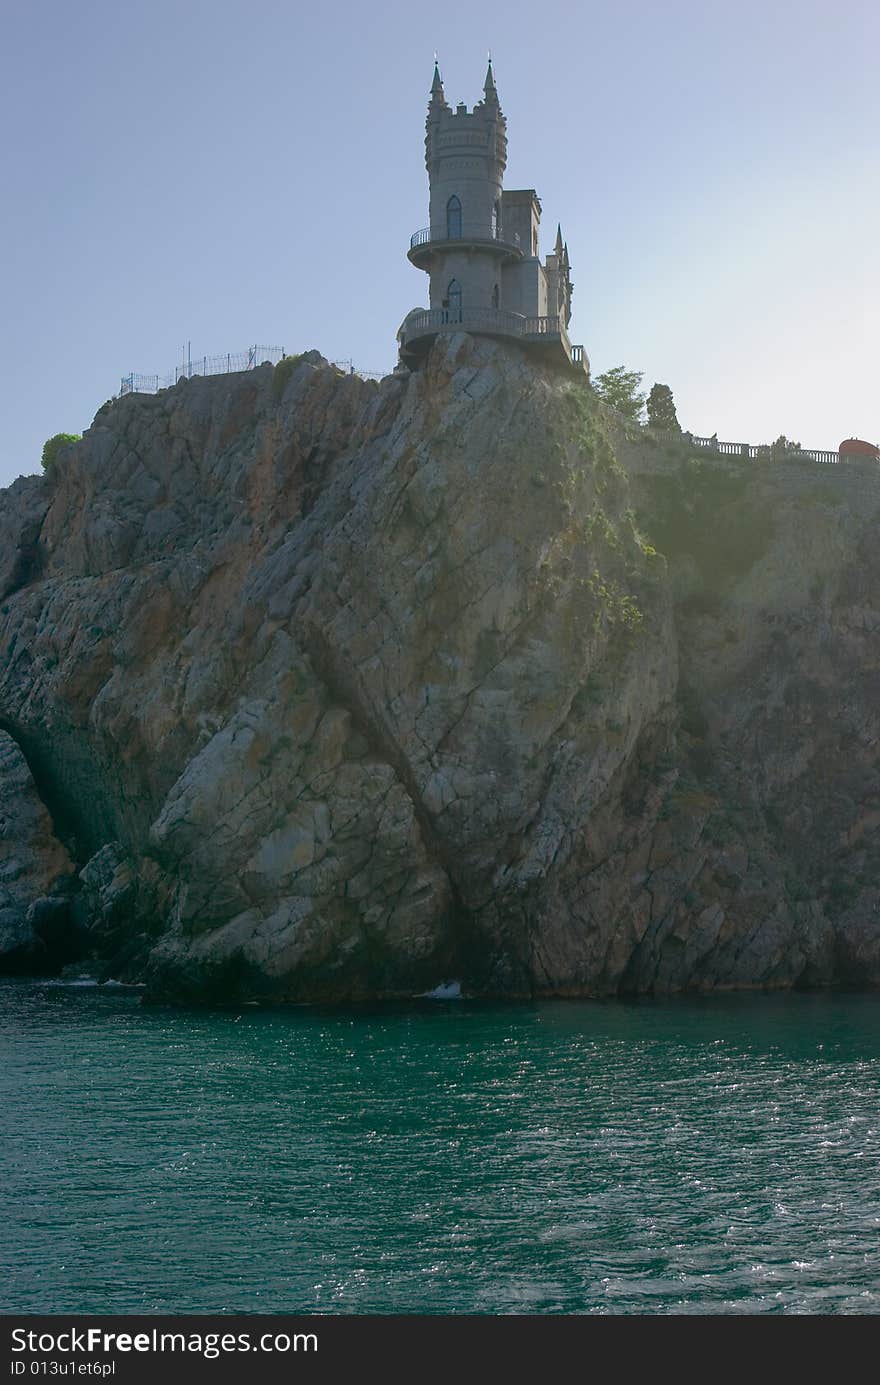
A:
(768, 452)
(259, 355)
(232, 362)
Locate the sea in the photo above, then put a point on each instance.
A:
(709, 1155)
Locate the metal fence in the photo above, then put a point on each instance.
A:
(351, 369)
(223, 365)
(207, 365)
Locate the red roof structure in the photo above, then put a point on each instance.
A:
(857, 447)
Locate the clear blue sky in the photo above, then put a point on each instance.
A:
(236, 172)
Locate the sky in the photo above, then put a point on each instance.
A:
(237, 173)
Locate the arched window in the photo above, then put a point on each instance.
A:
(453, 295)
(496, 297)
(453, 218)
(496, 220)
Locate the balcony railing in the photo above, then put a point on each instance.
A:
(550, 327)
(542, 327)
(495, 321)
(437, 235)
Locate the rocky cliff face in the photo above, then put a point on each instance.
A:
(37, 877)
(335, 689)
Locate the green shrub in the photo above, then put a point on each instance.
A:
(52, 446)
(283, 372)
(706, 512)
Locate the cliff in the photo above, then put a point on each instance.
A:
(336, 689)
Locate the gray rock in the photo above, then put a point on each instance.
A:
(32, 862)
(49, 918)
(108, 887)
(17, 940)
(21, 519)
(347, 687)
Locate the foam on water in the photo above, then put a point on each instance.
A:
(447, 990)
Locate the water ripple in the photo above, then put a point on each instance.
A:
(701, 1156)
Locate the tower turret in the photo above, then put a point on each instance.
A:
(465, 154)
(438, 96)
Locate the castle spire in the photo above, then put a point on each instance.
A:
(438, 96)
(558, 248)
(489, 89)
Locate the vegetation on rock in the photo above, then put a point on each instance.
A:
(619, 387)
(52, 446)
(283, 371)
(709, 515)
(780, 449)
(661, 410)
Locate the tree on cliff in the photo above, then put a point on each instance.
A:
(779, 450)
(619, 387)
(52, 446)
(661, 410)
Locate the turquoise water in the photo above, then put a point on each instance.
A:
(712, 1155)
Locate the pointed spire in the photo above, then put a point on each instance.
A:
(565, 253)
(558, 249)
(489, 89)
(437, 94)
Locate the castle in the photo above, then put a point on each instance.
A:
(480, 250)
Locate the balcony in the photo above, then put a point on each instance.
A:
(547, 334)
(425, 243)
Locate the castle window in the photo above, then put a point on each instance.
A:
(496, 220)
(453, 296)
(453, 218)
(496, 297)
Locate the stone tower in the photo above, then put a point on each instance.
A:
(480, 250)
(465, 154)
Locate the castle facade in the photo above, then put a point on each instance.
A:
(481, 251)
